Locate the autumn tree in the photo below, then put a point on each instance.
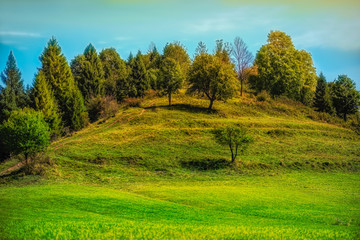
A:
(12, 96)
(44, 101)
(242, 59)
(58, 76)
(209, 75)
(171, 78)
(345, 97)
(283, 70)
(88, 73)
(322, 99)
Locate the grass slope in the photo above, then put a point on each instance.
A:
(155, 172)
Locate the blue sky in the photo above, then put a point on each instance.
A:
(328, 29)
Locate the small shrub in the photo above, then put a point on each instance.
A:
(263, 96)
(101, 107)
(132, 102)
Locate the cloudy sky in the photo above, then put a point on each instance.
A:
(328, 29)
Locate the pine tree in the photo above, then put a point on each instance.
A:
(322, 100)
(139, 80)
(60, 79)
(88, 73)
(44, 101)
(12, 96)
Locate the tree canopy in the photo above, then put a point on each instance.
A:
(283, 70)
(211, 76)
(12, 96)
(345, 98)
(171, 78)
(25, 132)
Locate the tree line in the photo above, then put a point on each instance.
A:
(65, 97)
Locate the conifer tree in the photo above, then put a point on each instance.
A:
(138, 78)
(322, 99)
(60, 79)
(12, 96)
(44, 101)
(88, 73)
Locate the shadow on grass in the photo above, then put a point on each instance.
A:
(205, 164)
(187, 108)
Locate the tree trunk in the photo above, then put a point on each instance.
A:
(169, 99)
(211, 104)
(345, 117)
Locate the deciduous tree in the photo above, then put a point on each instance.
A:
(236, 138)
(171, 78)
(211, 76)
(283, 70)
(242, 59)
(345, 98)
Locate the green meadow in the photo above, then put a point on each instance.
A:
(156, 172)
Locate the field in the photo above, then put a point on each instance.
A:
(156, 172)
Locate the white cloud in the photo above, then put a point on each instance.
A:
(19, 34)
(332, 33)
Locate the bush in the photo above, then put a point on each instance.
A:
(132, 102)
(263, 96)
(25, 132)
(102, 107)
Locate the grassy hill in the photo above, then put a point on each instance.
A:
(155, 171)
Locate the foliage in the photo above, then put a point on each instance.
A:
(283, 70)
(88, 73)
(242, 59)
(177, 51)
(322, 99)
(211, 76)
(12, 96)
(171, 78)
(345, 97)
(101, 107)
(138, 77)
(236, 138)
(25, 132)
(44, 101)
(115, 73)
(60, 79)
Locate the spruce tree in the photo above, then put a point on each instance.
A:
(88, 73)
(12, 96)
(139, 79)
(322, 99)
(44, 101)
(60, 79)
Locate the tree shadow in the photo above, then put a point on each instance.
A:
(187, 108)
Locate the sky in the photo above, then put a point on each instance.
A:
(328, 29)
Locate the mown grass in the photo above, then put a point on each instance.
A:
(156, 172)
(290, 206)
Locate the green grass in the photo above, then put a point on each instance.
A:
(156, 172)
(290, 206)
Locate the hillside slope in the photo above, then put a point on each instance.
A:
(155, 139)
